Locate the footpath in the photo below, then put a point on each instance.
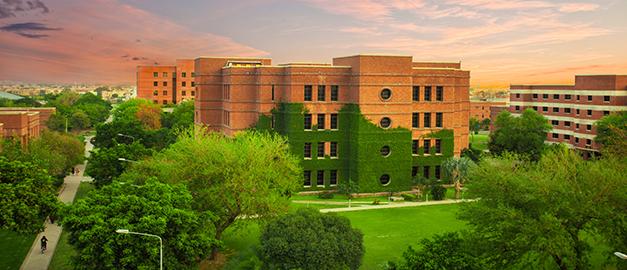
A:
(362, 207)
(35, 260)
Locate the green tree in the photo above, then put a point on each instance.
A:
(103, 165)
(107, 135)
(474, 125)
(522, 135)
(127, 111)
(485, 124)
(445, 251)
(456, 169)
(182, 117)
(612, 133)
(155, 208)
(534, 215)
(348, 188)
(79, 120)
(27, 196)
(249, 174)
(57, 122)
(310, 240)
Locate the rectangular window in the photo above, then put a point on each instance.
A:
(322, 93)
(272, 93)
(321, 150)
(414, 171)
(545, 96)
(517, 108)
(193, 74)
(193, 93)
(165, 93)
(576, 125)
(566, 137)
(517, 95)
(320, 178)
(155, 74)
(333, 150)
(183, 74)
(155, 93)
(589, 98)
(556, 136)
(155, 102)
(437, 172)
(535, 108)
(427, 147)
(414, 147)
(606, 98)
(605, 113)
(589, 112)
(438, 146)
(321, 123)
(557, 96)
(165, 83)
(414, 120)
(577, 97)
(307, 121)
(566, 110)
(535, 96)
(415, 93)
(577, 111)
(567, 97)
(164, 102)
(545, 109)
(555, 122)
(334, 121)
(183, 84)
(425, 172)
(193, 84)
(556, 109)
(438, 119)
(165, 74)
(184, 93)
(308, 90)
(576, 140)
(439, 93)
(427, 120)
(588, 127)
(307, 177)
(307, 150)
(427, 93)
(335, 92)
(588, 142)
(333, 177)
(155, 83)
(567, 123)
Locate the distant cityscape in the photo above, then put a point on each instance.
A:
(111, 93)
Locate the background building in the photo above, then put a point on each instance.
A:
(481, 109)
(573, 109)
(381, 121)
(167, 84)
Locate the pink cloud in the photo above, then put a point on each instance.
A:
(578, 7)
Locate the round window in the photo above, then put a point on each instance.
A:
(384, 179)
(386, 94)
(385, 151)
(385, 122)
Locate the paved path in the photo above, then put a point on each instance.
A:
(391, 205)
(35, 260)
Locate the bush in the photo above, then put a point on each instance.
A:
(409, 197)
(309, 240)
(438, 192)
(446, 251)
(326, 195)
(376, 202)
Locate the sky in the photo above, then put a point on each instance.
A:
(501, 42)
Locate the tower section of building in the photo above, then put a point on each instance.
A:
(167, 84)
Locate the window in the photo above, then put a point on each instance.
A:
(438, 119)
(517, 95)
(517, 108)
(425, 171)
(193, 74)
(567, 123)
(566, 110)
(555, 136)
(577, 97)
(385, 122)
(307, 121)
(438, 146)
(577, 111)
(193, 93)
(589, 98)
(184, 93)
(606, 98)
(414, 120)
(307, 176)
(589, 113)
(272, 93)
(308, 90)
(567, 97)
(545, 109)
(427, 147)
(535, 96)
(437, 172)
(427, 93)
(384, 179)
(556, 109)
(165, 93)
(414, 171)
(307, 150)
(606, 113)
(427, 120)
(386, 94)
(164, 102)
(321, 150)
(227, 118)
(333, 177)
(193, 84)
(165, 74)
(576, 140)
(555, 122)
(556, 96)
(183, 74)
(535, 108)
(576, 125)
(320, 178)
(155, 83)
(155, 102)
(155, 93)
(165, 83)
(335, 92)
(588, 127)
(415, 93)
(566, 137)
(322, 93)
(385, 151)
(588, 142)
(439, 93)
(155, 74)
(414, 147)
(321, 125)
(333, 150)
(334, 121)
(545, 96)
(183, 84)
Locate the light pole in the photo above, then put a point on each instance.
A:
(125, 231)
(620, 255)
(127, 136)
(126, 160)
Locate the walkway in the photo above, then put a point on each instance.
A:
(392, 205)
(35, 260)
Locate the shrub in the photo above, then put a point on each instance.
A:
(326, 195)
(409, 197)
(376, 202)
(438, 192)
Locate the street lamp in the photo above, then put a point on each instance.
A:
(620, 255)
(126, 160)
(125, 231)
(127, 136)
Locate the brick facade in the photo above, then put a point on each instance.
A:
(44, 113)
(22, 125)
(167, 84)
(482, 109)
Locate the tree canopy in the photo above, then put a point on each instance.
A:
(445, 251)
(77, 111)
(103, 165)
(522, 135)
(612, 133)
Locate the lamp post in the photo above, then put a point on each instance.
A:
(125, 231)
(126, 160)
(127, 136)
(620, 255)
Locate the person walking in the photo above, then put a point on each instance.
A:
(44, 244)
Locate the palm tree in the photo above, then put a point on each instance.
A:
(457, 170)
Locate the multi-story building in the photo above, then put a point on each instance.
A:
(21, 125)
(573, 109)
(480, 109)
(167, 84)
(380, 121)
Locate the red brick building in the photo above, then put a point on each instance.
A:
(481, 109)
(22, 125)
(573, 109)
(167, 84)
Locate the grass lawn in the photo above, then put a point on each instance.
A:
(13, 248)
(479, 141)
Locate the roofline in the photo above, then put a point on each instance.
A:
(232, 57)
(388, 55)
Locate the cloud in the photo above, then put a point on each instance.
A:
(578, 7)
(10, 8)
(28, 29)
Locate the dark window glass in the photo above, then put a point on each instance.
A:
(385, 122)
(438, 119)
(155, 74)
(165, 83)
(556, 96)
(437, 172)
(589, 112)
(307, 176)
(308, 90)
(184, 93)
(425, 172)
(184, 84)
(556, 109)
(439, 93)
(588, 127)
(321, 149)
(567, 123)
(567, 97)
(183, 74)
(545, 109)
(272, 94)
(566, 110)
(556, 136)
(307, 121)
(193, 93)
(155, 93)
(545, 96)
(384, 179)
(427, 120)
(427, 147)
(535, 95)
(414, 147)
(438, 146)
(535, 108)
(566, 137)
(415, 96)
(155, 83)
(333, 149)
(321, 124)
(577, 111)
(589, 98)
(165, 74)
(334, 121)
(335, 92)
(517, 108)
(606, 98)
(333, 177)
(517, 95)
(427, 93)
(606, 113)
(322, 92)
(386, 94)
(308, 150)
(165, 93)
(414, 120)
(320, 178)
(588, 142)
(414, 171)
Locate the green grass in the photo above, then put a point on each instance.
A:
(13, 248)
(479, 141)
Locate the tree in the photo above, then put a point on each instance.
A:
(57, 122)
(182, 116)
(155, 208)
(348, 188)
(250, 174)
(474, 125)
(485, 124)
(456, 169)
(104, 165)
(27, 196)
(522, 135)
(310, 240)
(612, 133)
(107, 133)
(127, 111)
(149, 116)
(445, 251)
(534, 214)
(79, 120)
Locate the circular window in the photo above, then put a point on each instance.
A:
(386, 93)
(385, 122)
(384, 179)
(385, 151)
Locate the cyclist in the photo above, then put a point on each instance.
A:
(44, 243)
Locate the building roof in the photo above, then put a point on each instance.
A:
(10, 96)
